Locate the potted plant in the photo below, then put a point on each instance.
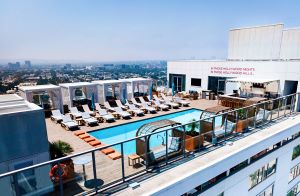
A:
(59, 149)
(242, 120)
(192, 140)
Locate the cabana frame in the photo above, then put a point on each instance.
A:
(137, 87)
(118, 90)
(53, 91)
(68, 91)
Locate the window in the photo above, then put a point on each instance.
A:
(196, 82)
(294, 172)
(296, 152)
(294, 191)
(239, 166)
(268, 191)
(263, 173)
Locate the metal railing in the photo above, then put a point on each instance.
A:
(103, 174)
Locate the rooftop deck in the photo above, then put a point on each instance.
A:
(114, 176)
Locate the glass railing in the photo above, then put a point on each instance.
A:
(139, 158)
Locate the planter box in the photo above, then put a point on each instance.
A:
(192, 143)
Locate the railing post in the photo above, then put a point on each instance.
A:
(236, 119)
(247, 123)
(61, 190)
(200, 139)
(291, 105)
(285, 100)
(166, 147)
(122, 160)
(16, 184)
(226, 118)
(146, 151)
(183, 142)
(94, 171)
(271, 110)
(278, 109)
(256, 111)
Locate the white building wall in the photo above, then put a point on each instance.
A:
(282, 70)
(262, 42)
(290, 46)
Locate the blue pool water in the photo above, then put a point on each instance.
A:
(127, 131)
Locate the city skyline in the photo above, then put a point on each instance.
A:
(96, 31)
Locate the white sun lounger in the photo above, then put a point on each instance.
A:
(181, 102)
(108, 107)
(56, 116)
(87, 109)
(88, 119)
(143, 101)
(135, 102)
(148, 108)
(160, 106)
(118, 102)
(158, 99)
(136, 110)
(68, 123)
(122, 113)
(75, 113)
(107, 117)
(168, 102)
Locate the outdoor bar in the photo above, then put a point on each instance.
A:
(78, 93)
(111, 90)
(137, 87)
(46, 96)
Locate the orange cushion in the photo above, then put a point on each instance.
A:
(115, 155)
(95, 143)
(80, 132)
(83, 136)
(89, 139)
(108, 151)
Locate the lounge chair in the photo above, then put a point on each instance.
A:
(169, 103)
(157, 104)
(118, 102)
(144, 101)
(181, 101)
(107, 117)
(148, 108)
(133, 100)
(88, 119)
(122, 113)
(108, 107)
(136, 110)
(68, 123)
(158, 99)
(56, 116)
(75, 113)
(87, 109)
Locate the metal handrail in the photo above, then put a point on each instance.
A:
(142, 136)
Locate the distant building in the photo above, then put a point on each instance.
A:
(68, 66)
(28, 64)
(14, 66)
(108, 66)
(23, 142)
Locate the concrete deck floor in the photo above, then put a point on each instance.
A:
(107, 170)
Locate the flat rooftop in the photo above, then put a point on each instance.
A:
(12, 103)
(38, 87)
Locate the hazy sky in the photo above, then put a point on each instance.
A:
(111, 30)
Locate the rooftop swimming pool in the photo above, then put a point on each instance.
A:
(127, 131)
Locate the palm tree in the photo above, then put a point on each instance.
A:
(60, 149)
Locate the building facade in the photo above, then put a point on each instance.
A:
(268, 52)
(23, 142)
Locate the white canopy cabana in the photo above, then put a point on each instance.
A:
(255, 86)
(138, 86)
(111, 89)
(78, 91)
(47, 96)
